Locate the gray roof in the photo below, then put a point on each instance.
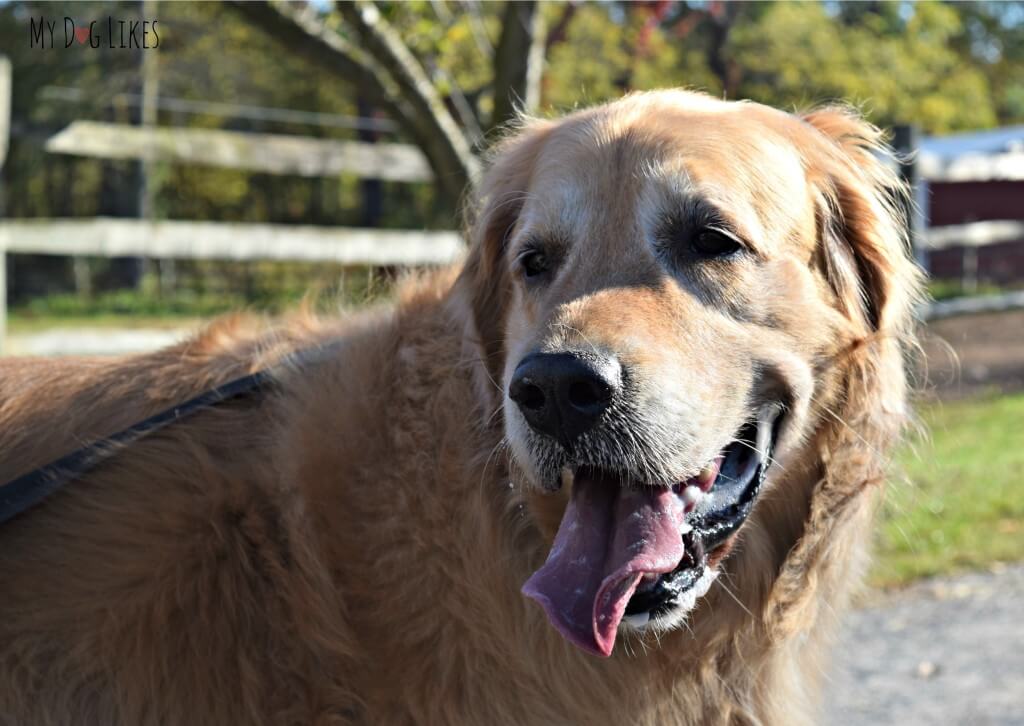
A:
(990, 141)
(988, 155)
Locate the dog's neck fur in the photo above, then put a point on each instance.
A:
(439, 609)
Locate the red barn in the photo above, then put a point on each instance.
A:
(975, 177)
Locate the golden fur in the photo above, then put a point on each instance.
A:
(350, 547)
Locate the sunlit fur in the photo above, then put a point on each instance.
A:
(349, 548)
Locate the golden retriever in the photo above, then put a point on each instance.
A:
(617, 468)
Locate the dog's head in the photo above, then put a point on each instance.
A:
(660, 287)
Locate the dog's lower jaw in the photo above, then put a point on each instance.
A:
(656, 625)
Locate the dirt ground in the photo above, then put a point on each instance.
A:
(945, 651)
(974, 354)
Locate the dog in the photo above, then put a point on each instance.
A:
(619, 466)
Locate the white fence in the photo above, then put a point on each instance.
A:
(268, 153)
(104, 237)
(279, 154)
(975, 234)
(107, 237)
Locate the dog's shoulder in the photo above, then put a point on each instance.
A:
(51, 406)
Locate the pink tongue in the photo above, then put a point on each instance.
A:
(609, 538)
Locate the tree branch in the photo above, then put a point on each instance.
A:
(440, 136)
(385, 81)
(723, 17)
(560, 31)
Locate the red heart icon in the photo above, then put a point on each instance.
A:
(81, 35)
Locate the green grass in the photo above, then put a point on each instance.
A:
(963, 506)
(145, 308)
(21, 324)
(947, 289)
(119, 309)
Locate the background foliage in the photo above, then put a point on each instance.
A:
(945, 66)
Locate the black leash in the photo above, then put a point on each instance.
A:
(30, 489)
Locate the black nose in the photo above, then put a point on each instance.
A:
(564, 394)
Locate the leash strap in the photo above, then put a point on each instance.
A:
(30, 489)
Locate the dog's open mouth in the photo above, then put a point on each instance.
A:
(636, 554)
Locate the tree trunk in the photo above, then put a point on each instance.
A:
(518, 62)
(723, 15)
(372, 189)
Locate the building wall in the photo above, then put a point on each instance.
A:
(962, 202)
(1001, 263)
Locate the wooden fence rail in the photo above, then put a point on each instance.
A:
(105, 237)
(109, 237)
(268, 153)
(974, 234)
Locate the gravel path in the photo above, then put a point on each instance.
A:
(948, 651)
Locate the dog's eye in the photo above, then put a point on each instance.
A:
(715, 243)
(533, 263)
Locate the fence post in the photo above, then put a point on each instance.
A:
(906, 141)
(3, 297)
(5, 133)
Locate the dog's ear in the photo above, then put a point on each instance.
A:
(491, 218)
(864, 255)
(863, 251)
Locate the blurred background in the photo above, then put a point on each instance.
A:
(163, 162)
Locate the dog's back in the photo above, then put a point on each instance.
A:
(170, 583)
(51, 406)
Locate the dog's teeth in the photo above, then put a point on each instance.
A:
(650, 577)
(691, 496)
(639, 620)
(707, 476)
(685, 529)
(567, 477)
(765, 420)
